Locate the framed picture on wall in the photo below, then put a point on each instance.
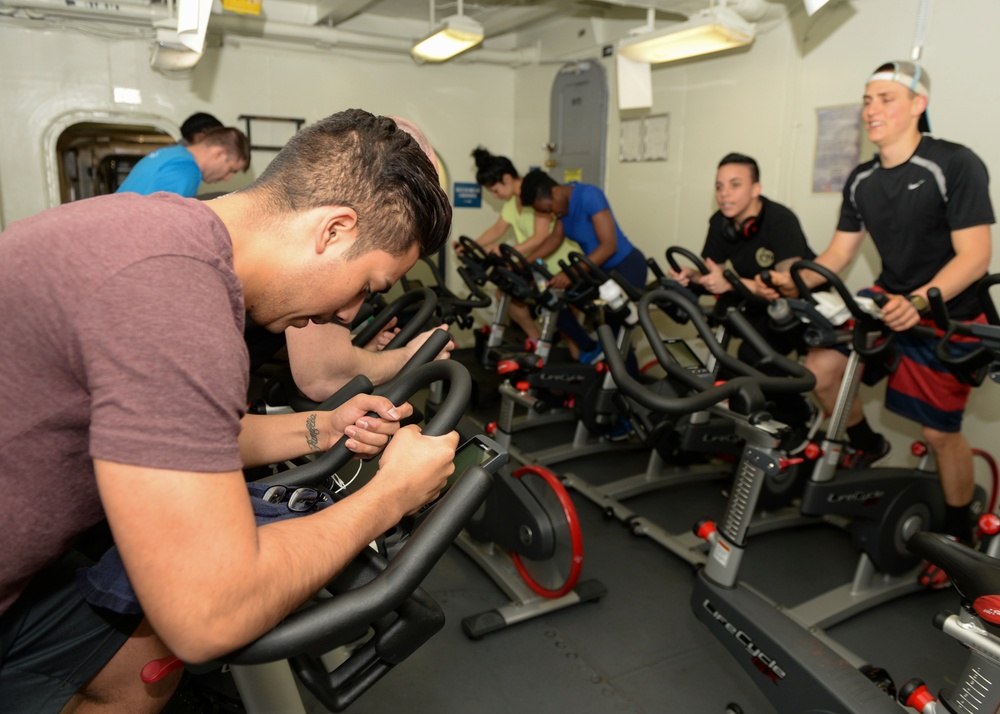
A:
(838, 147)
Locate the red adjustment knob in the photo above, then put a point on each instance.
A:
(812, 451)
(703, 529)
(785, 464)
(522, 386)
(719, 382)
(570, 401)
(159, 668)
(491, 428)
(920, 697)
(539, 364)
(918, 448)
(989, 523)
(485, 329)
(849, 324)
(507, 366)
(601, 367)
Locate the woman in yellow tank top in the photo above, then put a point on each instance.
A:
(498, 176)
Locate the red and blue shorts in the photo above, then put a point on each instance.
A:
(921, 387)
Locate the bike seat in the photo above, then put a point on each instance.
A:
(975, 575)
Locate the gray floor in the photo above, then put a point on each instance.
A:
(640, 649)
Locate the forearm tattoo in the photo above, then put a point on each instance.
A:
(312, 440)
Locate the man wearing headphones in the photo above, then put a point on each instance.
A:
(739, 233)
(753, 233)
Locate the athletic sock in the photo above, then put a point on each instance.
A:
(958, 523)
(863, 438)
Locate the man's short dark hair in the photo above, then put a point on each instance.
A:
(366, 163)
(535, 185)
(198, 123)
(491, 169)
(735, 158)
(233, 140)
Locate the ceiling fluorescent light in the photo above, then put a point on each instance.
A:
(813, 5)
(712, 30)
(457, 33)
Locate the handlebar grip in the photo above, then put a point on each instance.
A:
(426, 353)
(740, 288)
(477, 298)
(939, 310)
(986, 300)
(367, 333)
(694, 258)
(359, 384)
(397, 391)
(593, 274)
(428, 304)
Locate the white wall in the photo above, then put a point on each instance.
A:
(47, 74)
(763, 101)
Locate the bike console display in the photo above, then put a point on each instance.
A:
(478, 451)
(681, 352)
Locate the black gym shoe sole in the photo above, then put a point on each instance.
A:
(860, 459)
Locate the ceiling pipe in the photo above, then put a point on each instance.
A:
(128, 13)
(245, 26)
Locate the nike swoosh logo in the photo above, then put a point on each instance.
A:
(912, 186)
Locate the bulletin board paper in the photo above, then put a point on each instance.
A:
(838, 147)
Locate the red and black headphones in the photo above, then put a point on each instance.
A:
(748, 228)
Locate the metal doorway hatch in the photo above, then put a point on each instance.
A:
(579, 124)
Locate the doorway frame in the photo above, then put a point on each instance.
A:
(61, 123)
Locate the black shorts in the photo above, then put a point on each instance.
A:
(52, 641)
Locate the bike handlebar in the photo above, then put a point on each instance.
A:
(318, 628)
(750, 384)
(397, 391)
(427, 300)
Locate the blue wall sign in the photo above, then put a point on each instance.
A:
(468, 195)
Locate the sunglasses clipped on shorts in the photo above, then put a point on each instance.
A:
(298, 499)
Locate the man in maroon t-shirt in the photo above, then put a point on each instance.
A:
(123, 382)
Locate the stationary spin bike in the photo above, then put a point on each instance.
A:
(797, 667)
(700, 432)
(516, 279)
(527, 538)
(540, 393)
(374, 605)
(884, 505)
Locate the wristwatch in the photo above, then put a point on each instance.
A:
(920, 303)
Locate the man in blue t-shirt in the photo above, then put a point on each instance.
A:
(584, 216)
(180, 169)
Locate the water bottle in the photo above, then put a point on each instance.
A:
(781, 315)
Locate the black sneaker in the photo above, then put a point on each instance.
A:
(861, 459)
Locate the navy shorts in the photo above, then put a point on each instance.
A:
(52, 641)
